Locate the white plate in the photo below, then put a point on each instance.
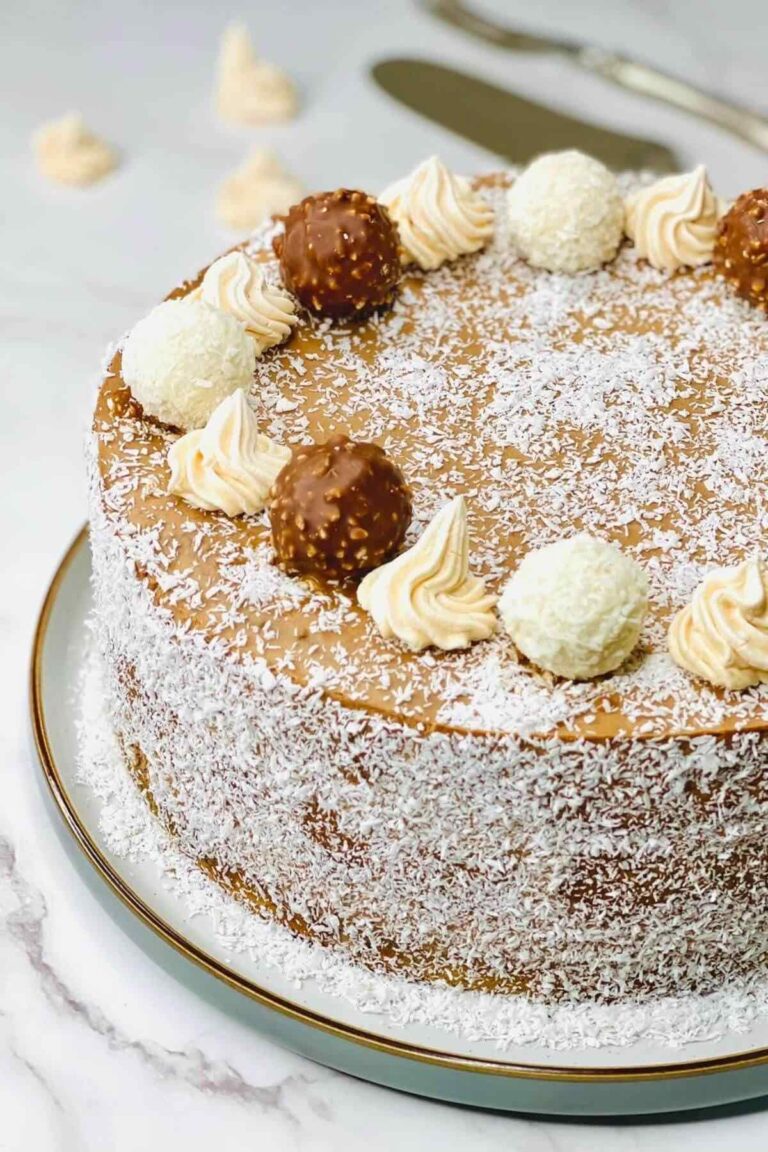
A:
(412, 1057)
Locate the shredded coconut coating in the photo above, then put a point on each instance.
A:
(459, 815)
(132, 832)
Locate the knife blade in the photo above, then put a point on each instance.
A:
(512, 126)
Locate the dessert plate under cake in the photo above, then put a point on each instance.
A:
(371, 1026)
(462, 817)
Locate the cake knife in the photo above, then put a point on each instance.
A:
(511, 126)
(631, 74)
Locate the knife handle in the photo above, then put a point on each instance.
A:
(649, 81)
(640, 78)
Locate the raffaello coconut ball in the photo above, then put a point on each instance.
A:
(576, 607)
(184, 358)
(566, 213)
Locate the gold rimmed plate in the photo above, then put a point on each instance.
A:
(640, 1078)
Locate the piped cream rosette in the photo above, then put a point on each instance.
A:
(250, 90)
(673, 222)
(722, 635)
(237, 284)
(427, 596)
(228, 466)
(439, 215)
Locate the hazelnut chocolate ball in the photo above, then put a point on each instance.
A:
(741, 248)
(338, 509)
(339, 253)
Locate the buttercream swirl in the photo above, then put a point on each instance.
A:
(237, 285)
(259, 188)
(427, 596)
(722, 635)
(439, 215)
(673, 223)
(227, 466)
(69, 153)
(250, 90)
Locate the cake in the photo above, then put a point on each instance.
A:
(464, 817)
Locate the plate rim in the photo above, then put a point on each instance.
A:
(68, 810)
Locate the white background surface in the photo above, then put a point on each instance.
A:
(100, 1047)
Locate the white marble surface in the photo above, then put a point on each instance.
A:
(100, 1047)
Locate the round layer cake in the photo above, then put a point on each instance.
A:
(463, 816)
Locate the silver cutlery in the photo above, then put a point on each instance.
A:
(630, 74)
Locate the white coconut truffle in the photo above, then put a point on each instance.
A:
(566, 213)
(184, 358)
(576, 607)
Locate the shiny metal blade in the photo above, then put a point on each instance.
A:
(511, 126)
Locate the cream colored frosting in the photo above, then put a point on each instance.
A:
(69, 153)
(722, 635)
(673, 223)
(228, 465)
(236, 284)
(250, 90)
(427, 596)
(259, 188)
(439, 216)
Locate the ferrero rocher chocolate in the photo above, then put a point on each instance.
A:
(339, 253)
(338, 509)
(741, 249)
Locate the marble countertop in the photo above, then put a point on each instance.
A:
(100, 1046)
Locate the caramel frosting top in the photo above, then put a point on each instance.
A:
(427, 596)
(227, 466)
(624, 404)
(673, 223)
(722, 635)
(439, 215)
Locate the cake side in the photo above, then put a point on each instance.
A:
(570, 870)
